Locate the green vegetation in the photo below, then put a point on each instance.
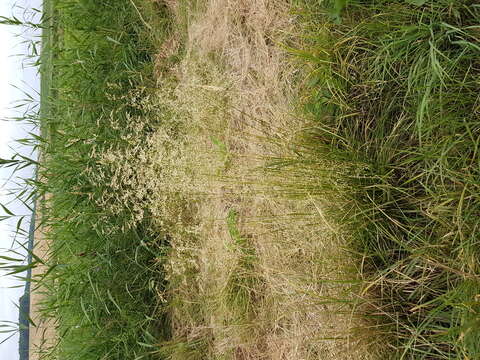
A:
(186, 220)
(393, 95)
(48, 40)
(105, 261)
(243, 281)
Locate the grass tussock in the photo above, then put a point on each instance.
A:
(393, 96)
(251, 274)
(100, 174)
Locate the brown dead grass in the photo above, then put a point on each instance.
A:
(235, 94)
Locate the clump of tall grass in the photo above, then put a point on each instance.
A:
(98, 180)
(393, 95)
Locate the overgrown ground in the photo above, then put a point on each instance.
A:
(97, 106)
(250, 272)
(262, 180)
(394, 97)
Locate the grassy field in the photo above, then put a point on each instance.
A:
(394, 97)
(261, 179)
(105, 256)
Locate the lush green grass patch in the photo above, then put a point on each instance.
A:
(106, 250)
(393, 91)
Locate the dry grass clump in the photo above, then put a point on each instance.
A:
(252, 274)
(244, 36)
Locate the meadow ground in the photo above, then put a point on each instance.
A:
(263, 179)
(249, 267)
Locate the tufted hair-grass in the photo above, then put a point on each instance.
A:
(393, 95)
